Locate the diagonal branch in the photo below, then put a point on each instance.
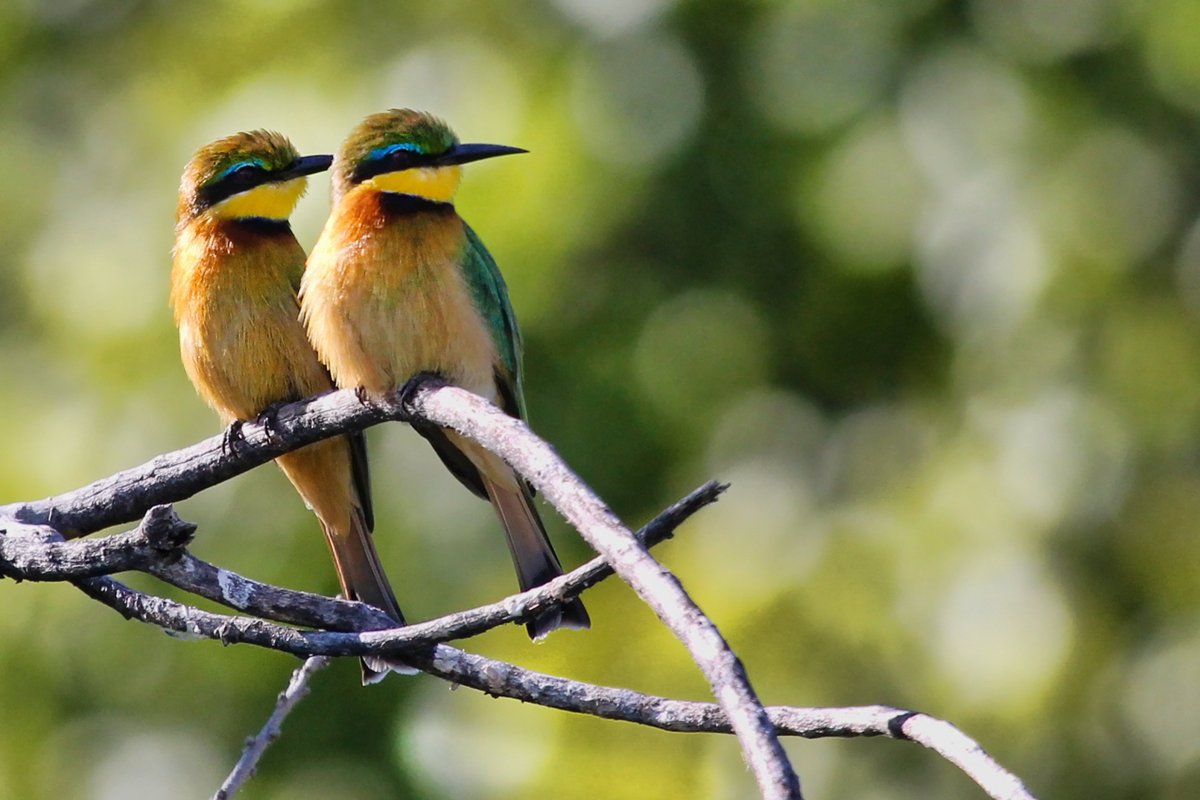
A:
(511, 438)
(297, 690)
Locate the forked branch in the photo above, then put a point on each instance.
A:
(158, 547)
(500, 679)
(174, 476)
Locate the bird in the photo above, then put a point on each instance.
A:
(235, 273)
(399, 285)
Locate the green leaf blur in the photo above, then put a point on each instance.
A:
(920, 278)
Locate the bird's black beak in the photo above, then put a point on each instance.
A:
(465, 153)
(305, 165)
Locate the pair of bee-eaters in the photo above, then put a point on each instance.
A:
(398, 284)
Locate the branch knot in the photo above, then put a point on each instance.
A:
(166, 533)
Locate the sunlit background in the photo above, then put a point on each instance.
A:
(920, 278)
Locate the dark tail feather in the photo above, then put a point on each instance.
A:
(361, 575)
(533, 556)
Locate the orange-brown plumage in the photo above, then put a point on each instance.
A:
(398, 284)
(241, 343)
(400, 270)
(236, 270)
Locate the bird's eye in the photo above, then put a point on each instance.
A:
(247, 171)
(396, 156)
(402, 159)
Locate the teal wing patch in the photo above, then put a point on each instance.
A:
(491, 298)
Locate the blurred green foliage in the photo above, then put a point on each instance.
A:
(921, 278)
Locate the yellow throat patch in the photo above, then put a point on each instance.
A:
(270, 201)
(432, 183)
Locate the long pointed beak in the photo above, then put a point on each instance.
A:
(305, 165)
(465, 153)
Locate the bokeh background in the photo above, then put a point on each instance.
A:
(920, 278)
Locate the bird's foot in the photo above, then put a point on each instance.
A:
(406, 394)
(233, 438)
(360, 392)
(269, 420)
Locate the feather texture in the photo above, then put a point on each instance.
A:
(398, 285)
(234, 279)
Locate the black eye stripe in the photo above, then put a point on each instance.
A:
(392, 162)
(244, 177)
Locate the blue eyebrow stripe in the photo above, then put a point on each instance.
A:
(251, 162)
(386, 150)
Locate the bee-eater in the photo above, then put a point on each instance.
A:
(236, 272)
(398, 284)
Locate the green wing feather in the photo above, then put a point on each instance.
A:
(491, 298)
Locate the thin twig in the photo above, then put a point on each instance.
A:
(963, 752)
(257, 745)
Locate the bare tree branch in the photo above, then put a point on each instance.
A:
(493, 677)
(500, 679)
(158, 546)
(168, 478)
(175, 476)
(33, 550)
(511, 438)
(257, 745)
(161, 536)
